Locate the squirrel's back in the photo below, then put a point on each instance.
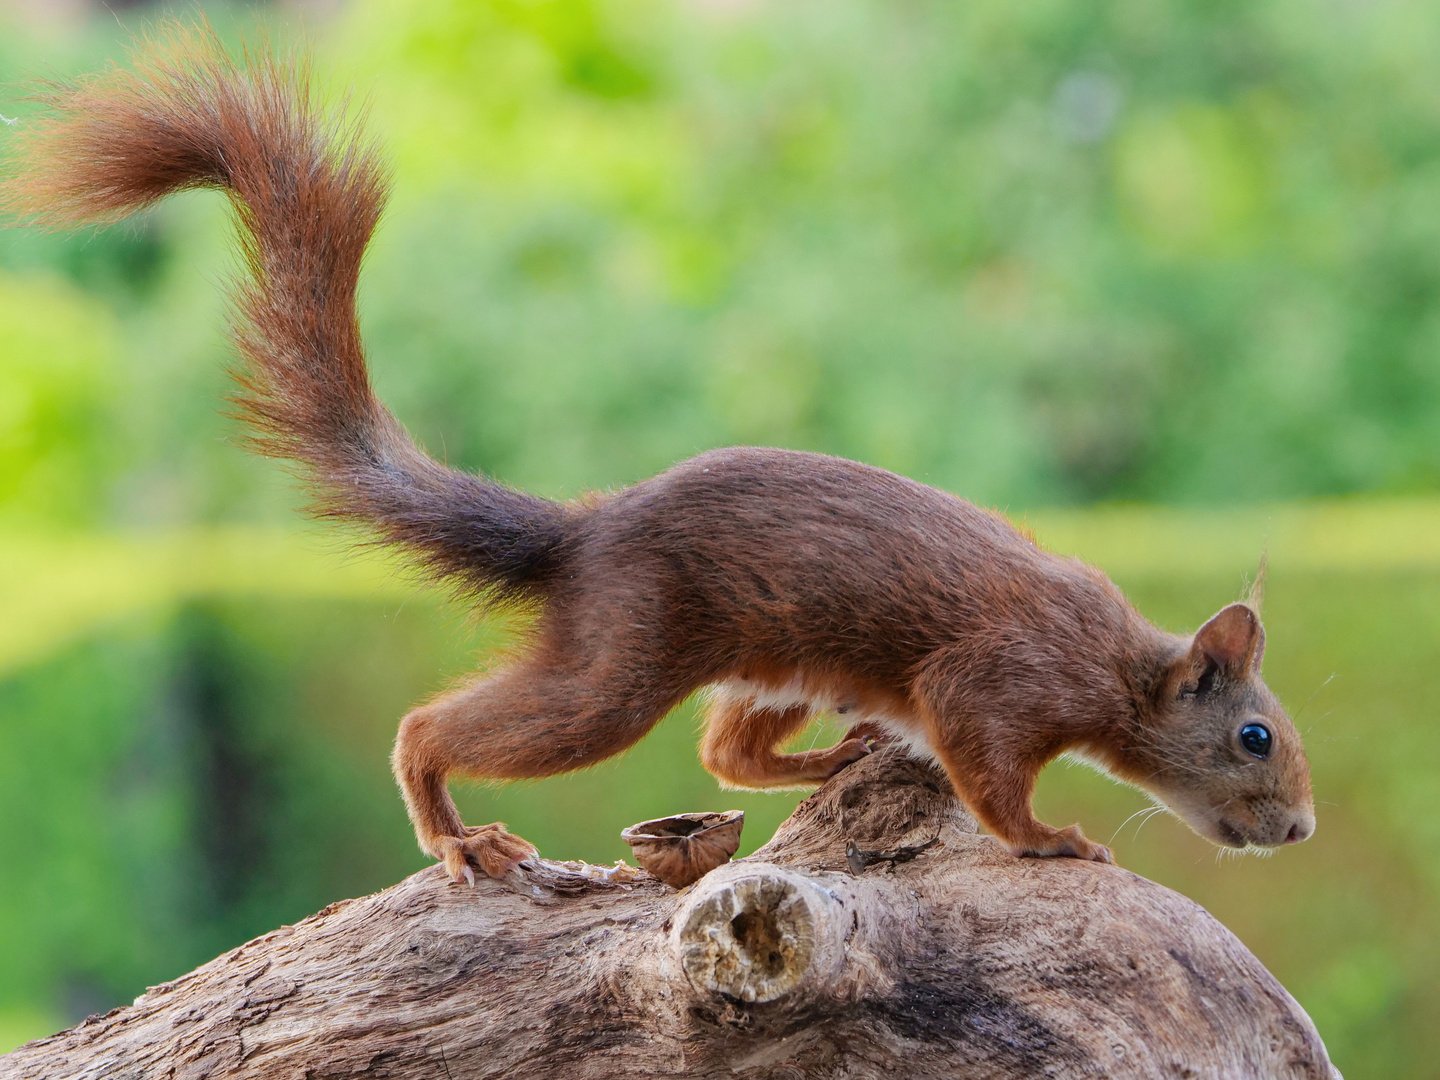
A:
(805, 559)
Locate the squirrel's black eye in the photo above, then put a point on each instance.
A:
(1256, 739)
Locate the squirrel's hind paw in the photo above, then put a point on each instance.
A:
(489, 848)
(845, 753)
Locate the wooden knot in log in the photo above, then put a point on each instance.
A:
(754, 933)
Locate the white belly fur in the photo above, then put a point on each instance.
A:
(757, 696)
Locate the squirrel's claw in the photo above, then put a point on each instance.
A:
(489, 848)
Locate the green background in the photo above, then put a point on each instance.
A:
(1159, 279)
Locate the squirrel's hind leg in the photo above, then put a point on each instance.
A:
(532, 719)
(741, 741)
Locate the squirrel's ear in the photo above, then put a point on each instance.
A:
(1233, 640)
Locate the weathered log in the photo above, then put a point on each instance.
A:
(877, 934)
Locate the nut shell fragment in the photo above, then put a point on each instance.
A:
(680, 850)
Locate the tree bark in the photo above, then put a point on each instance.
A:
(877, 934)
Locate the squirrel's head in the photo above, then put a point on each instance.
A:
(1220, 750)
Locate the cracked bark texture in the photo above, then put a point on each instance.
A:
(876, 934)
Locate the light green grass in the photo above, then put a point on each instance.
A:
(59, 587)
(1344, 536)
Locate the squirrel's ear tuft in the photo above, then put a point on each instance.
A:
(1233, 640)
(1256, 596)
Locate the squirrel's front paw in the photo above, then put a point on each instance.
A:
(489, 847)
(1081, 848)
(1068, 843)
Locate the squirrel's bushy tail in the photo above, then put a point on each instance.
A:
(308, 191)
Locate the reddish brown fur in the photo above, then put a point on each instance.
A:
(791, 582)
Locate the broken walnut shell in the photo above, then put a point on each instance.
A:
(680, 850)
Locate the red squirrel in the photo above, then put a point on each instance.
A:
(789, 583)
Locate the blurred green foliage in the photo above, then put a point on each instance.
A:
(1041, 255)
(56, 375)
(1038, 255)
(1172, 252)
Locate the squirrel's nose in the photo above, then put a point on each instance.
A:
(1300, 830)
